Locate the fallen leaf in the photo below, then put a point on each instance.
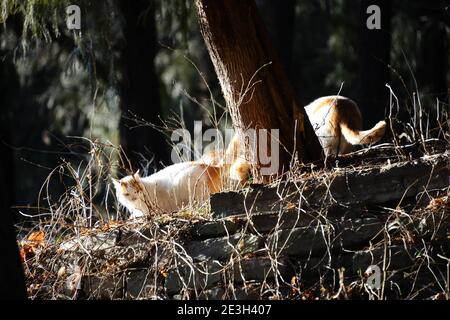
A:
(37, 237)
(29, 245)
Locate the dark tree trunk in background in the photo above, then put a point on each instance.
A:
(435, 59)
(12, 283)
(279, 19)
(140, 87)
(238, 46)
(374, 58)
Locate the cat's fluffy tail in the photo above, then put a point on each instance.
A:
(356, 137)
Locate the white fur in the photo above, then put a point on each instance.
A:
(168, 190)
(322, 127)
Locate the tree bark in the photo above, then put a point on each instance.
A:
(374, 59)
(240, 51)
(140, 87)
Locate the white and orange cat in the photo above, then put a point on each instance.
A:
(181, 184)
(168, 190)
(336, 120)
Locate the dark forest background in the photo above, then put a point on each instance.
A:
(144, 58)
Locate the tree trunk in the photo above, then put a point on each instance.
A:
(374, 59)
(280, 22)
(12, 283)
(140, 87)
(240, 51)
(434, 54)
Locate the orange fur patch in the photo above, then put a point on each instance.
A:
(342, 111)
(214, 180)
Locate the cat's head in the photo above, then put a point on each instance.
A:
(129, 188)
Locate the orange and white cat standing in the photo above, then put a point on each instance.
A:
(168, 190)
(337, 122)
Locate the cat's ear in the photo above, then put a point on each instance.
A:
(116, 183)
(137, 177)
